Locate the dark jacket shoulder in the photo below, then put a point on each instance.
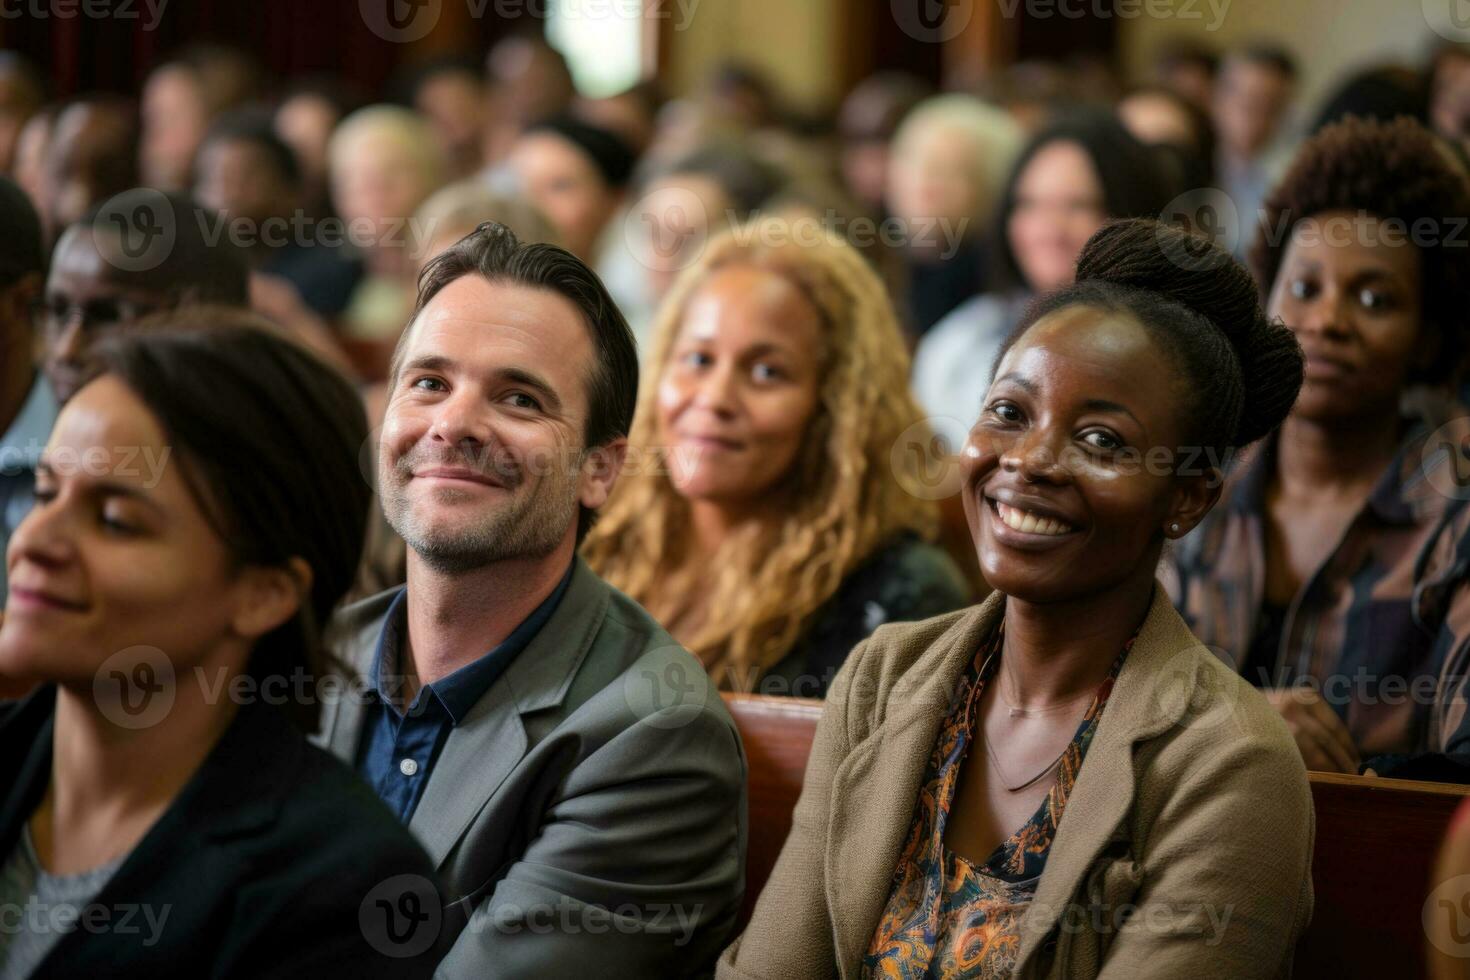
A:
(272, 860)
(907, 579)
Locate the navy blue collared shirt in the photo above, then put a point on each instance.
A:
(398, 750)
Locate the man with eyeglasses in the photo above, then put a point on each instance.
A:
(27, 407)
(139, 252)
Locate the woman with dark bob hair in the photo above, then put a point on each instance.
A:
(1311, 576)
(199, 512)
(1082, 170)
(1062, 781)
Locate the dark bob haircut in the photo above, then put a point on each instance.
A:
(267, 438)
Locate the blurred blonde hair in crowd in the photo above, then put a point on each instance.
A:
(848, 493)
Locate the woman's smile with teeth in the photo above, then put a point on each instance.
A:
(1029, 523)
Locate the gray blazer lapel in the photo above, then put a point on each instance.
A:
(475, 760)
(484, 750)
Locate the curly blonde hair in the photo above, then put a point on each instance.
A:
(852, 488)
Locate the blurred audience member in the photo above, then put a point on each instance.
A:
(1187, 68)
(453, 212)
(1068, 181)
(174, 120)
(21, 94)
(1310, 575)
(139, 253)
(450, 94)
(180, 98)
(1252, 97)
(27, 405)
(1449, 92)
(950, 158)
(305, 120)
(215, 523)
(632, 114)
(689, 200)
(869, 117)
(1385, 92)
(741, 94)
(575, 174)
(247, 174)
(761, 519)
(1160, 117)
(91, 155)
(1031, 91)
(384, 163)
(527, 80)
(31, 148)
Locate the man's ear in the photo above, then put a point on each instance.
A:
(600, 468)
(1194, 495)
(270, 595)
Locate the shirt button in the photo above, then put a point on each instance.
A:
(408, 767)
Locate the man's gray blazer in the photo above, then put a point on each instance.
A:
(588, 816)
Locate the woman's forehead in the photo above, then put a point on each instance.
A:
(1090, 353)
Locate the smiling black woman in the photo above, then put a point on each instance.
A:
(914, 853)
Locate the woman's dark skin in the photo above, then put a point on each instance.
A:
(1065, 433)
(1352, 296)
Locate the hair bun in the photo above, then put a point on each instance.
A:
(1202, 277)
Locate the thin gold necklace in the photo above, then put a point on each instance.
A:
(990, 750)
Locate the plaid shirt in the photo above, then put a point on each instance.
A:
(1367, 628)
(1447, 604)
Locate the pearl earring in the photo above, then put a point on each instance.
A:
(1174, 528)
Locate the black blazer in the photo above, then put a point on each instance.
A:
(273, 861)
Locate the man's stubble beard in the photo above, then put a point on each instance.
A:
(529, 525)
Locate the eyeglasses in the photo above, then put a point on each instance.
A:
(54, 314)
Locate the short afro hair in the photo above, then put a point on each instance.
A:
(1392, 170)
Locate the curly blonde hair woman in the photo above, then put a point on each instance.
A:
(766, 518)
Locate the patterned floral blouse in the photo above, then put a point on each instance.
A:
(946, 917)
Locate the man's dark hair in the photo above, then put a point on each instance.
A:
(193, 265)
(493, 252)
(1266, 55)
(256, 127)
(1184, 53)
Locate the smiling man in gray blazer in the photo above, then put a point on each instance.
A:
(564, 761)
